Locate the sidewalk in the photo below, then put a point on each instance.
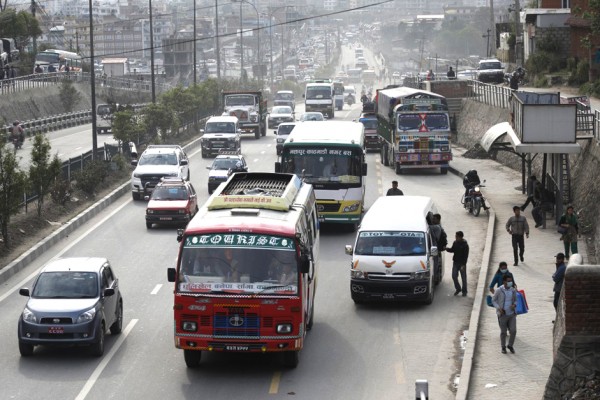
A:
(523, 374)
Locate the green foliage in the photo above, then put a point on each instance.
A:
(20, 26)
(127, 127)
(541, 81)
(91, 176)
(14, 183)
(42, 172)
(579, 74)
(69, 96)
(161, 122)
(544, 62)
(60, 191)
(120, 161)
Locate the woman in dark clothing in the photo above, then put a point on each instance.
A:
(499, 276)
(571, 226)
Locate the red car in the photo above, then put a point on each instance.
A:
(173, 202)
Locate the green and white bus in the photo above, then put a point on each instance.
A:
(330, 155)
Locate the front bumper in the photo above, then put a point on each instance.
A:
(365, 289)
(70, 334)
(491, 78)
(273, 344)
(168, 219)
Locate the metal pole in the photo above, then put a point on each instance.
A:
(517, 17)
(271, 45)
(217, 39)
(152, 78)
(258, 59)
(241, 42)
(195, 49)
(93, 84)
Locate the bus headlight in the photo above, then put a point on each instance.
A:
(352, 207)
(357, 274)
(284, 328)
(189, 326)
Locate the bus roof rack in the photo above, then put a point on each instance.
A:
(263, 190)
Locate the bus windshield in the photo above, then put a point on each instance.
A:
(390, 243)
(423, 122)
(238, 263)
(328, 165)
(338, 89)
(50, 58)
(318, 92)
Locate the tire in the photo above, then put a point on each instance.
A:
(311, 319)
(97, 349)
(263, 129)
(257, 133)
(429, 299)
(117, 326)
(357, 300)
(192, 358)
(148, 225)
(386, 159)
(25, 349)
(203, 154)
(291, 359)
(476, 207)
(135, 196)
(398, 169)
(444, 171)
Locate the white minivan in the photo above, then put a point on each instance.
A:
(393, 257)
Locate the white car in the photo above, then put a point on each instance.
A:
(280, 114)
(312, 116)
(156, 162)
(283, 131)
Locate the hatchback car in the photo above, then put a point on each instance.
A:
(283, 131)
(73, 301)
(312, 116)
(173, 202)
(280, 114)
(223, 166)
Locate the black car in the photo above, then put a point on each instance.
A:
(73, 301)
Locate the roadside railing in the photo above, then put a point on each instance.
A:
(492, 95)
(52, 123)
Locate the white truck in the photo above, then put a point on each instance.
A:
(319, 97)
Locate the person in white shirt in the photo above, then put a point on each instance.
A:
(505, 302)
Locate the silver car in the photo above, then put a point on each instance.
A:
(74, 301)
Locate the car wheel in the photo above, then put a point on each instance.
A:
(135, 196)
(357, 300)
(291, 359)
(117, 326)
(398, 169)
(257, 132)
(204, 154)
(429, 299)
(97, 349)
(444, 171)
(148, 225)
(192, 358)
(25, 349)
(311, 319)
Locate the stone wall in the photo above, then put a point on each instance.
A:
(576, 331)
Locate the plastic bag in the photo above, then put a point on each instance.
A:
(488, 300)
(522, 307)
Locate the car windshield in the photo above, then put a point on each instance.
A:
(158, 159)
(66, 285)
(490, 65)
(225, 163)
(369, 123)
(238, 263)
(318, 92)
(169, 193)
(285, 129)
(312, 117)
(281, 110)
(390, 243)
(284, 96)
(246, 100)
(220, 127)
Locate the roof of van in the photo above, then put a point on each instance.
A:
(397, 213)
(327, 132)
(223, 118)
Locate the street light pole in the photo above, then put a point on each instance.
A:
(93, 85)
(241, 43)
(195, 49)
(151, 53)
(217, 39)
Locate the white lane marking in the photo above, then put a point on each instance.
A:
(255, 160)
(80, 147)
(400, 379)
(274, 387)
(96, 374)
(156, 289)
(63, 251)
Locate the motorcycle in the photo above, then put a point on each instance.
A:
(474, 200)
(350, 100)
(17, 142)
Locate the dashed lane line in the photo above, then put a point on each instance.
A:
(156, 288)
(274, 387)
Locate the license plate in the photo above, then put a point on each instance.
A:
(57, 330)
(388, 296)
(232, 347)
(166, 218)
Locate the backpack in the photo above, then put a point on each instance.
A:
(443, 240)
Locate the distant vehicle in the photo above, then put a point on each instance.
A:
(285, 98)
(372, 141)
(60, 59)
(355, 75)
(490, 71)
(173, 202)
(289, 73)
(220, 133)
(283, 131)
(311, 116)
(224, 165)
(250, 108)
(349, 95)
(73, 301)
(396, 75)
(280, 114)
(338, 93)
(319, 96)
(115, 67)
(156, 162)
(369, 76)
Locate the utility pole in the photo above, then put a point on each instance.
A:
(217, 39)
(93, 84)
(151, 53)
(487, 48)
(241, 43)
(34, 41)
(195, 49)
(76, 41)
(492, 28)
(517, 34)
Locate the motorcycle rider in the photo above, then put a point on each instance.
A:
(471, 180)
(17, 133)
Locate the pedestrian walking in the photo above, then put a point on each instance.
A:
(498, 279)
(394, 191)
(534, 192)
(518, 227)
(460, 248)
(568, 222)
(558, 277)
(505, 302)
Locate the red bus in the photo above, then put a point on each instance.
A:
(245, 277)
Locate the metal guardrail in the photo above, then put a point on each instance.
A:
(492, 95)
(52, 123)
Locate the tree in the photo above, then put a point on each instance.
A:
(592, 15)
(42, 171)
(127, 127)
(20, 26)
(69, 96)
(161, 122)
(13, 183)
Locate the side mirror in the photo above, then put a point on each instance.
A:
(201, 130)
(208, 167)
(171, 274)
(277, 166)
(183, 162)
(179, 235)
(434, 251)
(146, 197)
(364, 169)
(303, 95)
(304, 264)
(24, 292)
(109, 292)
(348, 250)
(134, 162)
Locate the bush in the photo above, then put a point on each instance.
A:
(579, 75)
(541, 81)
(120, 161)
(92, 175)
(60, 191)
